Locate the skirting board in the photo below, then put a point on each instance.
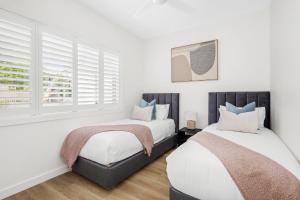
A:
(23, 185)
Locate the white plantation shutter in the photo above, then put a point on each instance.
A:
(15, 65)
(41, 71)
(111, 78)
(57, 76)
(88, 75)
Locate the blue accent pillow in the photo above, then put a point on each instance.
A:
(247, 108)
(144, 104)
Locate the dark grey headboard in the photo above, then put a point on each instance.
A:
(215, 99)
(166, 98)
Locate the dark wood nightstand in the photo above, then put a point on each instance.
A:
(185, 133)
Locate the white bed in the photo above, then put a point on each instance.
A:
(113, 146)
(195, 171)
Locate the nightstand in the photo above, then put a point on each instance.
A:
(185, 133)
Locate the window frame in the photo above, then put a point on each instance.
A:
(9, 112)
(113, 106)
(60, 108)
(36, 112)
(98, 106)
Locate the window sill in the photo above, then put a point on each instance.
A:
(44, 117)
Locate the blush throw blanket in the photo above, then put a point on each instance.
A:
(257, 176)
(78, 138)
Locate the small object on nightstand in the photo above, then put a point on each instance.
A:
(185, 133)
(191, 118)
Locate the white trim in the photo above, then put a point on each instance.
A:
(37, 72)
(56, 108)
(100, 81)
(56, 32)
(29, 119)
(33, 69)
(11, 110)
(101, 77)
(25, 184)
(40, 72)
(121, 82)
(75, 75)
(119, 104)
(37, 111)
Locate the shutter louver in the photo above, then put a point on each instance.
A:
(57, 62)
(111, 78)
(88, 75)
(15, 65)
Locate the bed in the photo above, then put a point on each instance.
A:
(195, 173)
(107, 160)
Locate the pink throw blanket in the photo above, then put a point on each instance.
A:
(78, 138)
(257, 176)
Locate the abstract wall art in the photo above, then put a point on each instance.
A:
(196, 62)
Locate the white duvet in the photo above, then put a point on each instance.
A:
(113, 146)
(195, 171)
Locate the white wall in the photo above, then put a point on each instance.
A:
(30, 153)
(244, 61)
(285, 71)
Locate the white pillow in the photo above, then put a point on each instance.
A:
(243, 122)
(222, 108)
(144, 114)
(261, 115)
(162, 111)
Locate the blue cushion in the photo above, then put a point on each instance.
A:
(247, 108)
(144, 104)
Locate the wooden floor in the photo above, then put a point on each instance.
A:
(149, 183)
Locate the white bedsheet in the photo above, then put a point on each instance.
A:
(193, 170)
(113, 146)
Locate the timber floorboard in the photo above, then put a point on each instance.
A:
(150, 183)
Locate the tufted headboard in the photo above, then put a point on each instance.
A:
(167, 98)
(215, 99)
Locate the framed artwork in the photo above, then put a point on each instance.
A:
(195, 62)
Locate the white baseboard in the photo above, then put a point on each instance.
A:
(23, 185)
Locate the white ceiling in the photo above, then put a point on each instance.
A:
(175, 15)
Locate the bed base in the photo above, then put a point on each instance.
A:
(110, 176)
(177, 195)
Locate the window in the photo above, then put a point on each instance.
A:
(111, 78)
(88, 75)
(57, 73)
(15, 65)
(42, 72)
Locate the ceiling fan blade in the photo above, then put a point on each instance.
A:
(142, 8)
(180, 6)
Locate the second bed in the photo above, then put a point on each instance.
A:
(196, 173)
(110, 157)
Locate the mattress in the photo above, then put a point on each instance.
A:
(113, 146)
(195, 171)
